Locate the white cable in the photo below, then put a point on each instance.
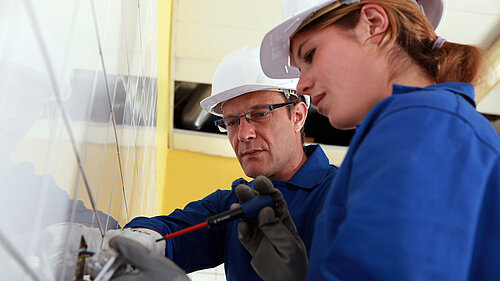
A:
(110, 103)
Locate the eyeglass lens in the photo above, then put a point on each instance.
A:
(258, 115)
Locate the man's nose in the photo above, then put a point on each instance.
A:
(246, 130)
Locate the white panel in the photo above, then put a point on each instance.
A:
(336, 154)
(205, 31)
(195, 70)
(478, 29)
(211, 42)
(66, 68)
(213, 144)
(482, 6)
(245, 14)
(199, 49)
(491, 103)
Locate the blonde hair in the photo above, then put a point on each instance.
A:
(412, 32)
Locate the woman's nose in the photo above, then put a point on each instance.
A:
(305, 84)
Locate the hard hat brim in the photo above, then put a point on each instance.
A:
(435, 11)
(275, 46)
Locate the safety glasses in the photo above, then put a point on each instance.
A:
(256, 116)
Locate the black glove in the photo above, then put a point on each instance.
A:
(151, 266)
(277, 249)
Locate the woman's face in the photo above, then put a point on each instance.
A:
(342, 72)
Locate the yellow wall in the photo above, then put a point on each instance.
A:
(163, 121)
(191, 176)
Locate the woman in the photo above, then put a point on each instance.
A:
(416, 196)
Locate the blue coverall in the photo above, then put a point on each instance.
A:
(209, 247)
(418, 194)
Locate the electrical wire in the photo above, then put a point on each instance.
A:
(101, 56)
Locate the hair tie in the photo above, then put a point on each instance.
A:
(438, 44)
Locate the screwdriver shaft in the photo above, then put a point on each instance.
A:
(184, 231)
(248, 209)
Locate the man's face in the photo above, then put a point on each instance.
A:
(272, 148)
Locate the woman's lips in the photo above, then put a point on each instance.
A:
(317, 99)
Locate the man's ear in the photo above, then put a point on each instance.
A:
(373, 23)
(299, 116)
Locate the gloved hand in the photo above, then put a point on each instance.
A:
(145, 236)
(277, 249)
(151, 266)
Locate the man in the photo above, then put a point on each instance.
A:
(264, 121)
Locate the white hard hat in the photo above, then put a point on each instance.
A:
(435, 11)
(240, 73)
(275, 46)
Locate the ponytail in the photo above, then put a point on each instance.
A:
(458, 62)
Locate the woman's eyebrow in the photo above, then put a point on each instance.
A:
(299, 51)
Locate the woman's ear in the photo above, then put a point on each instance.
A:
(373, 23)
(299, 116)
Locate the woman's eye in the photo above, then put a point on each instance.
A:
(308, 57)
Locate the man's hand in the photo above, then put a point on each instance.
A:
(145, 236)
(151, 266)
(277, 249)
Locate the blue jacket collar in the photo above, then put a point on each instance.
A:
(465, 90)
(310, 174)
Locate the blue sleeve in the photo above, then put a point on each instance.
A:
(202, 248)
(413, 200)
